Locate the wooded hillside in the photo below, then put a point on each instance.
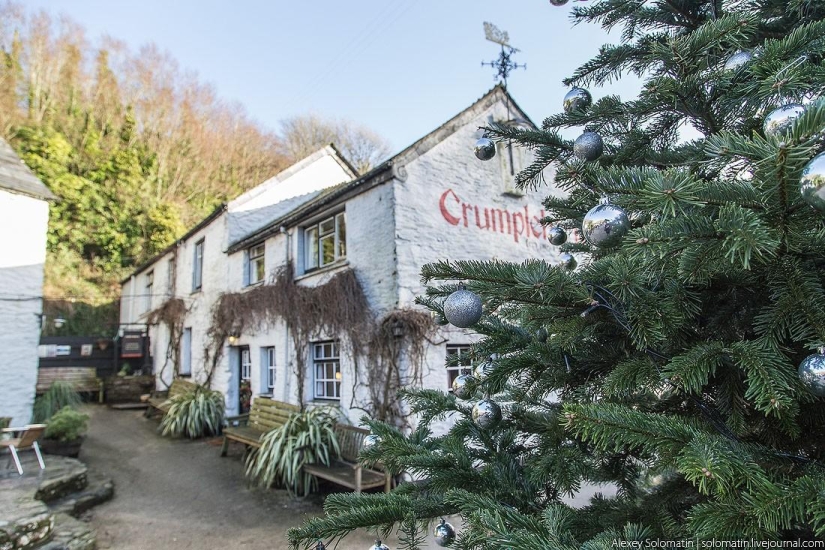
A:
(136, 148)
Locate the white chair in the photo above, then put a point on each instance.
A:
(24, 439)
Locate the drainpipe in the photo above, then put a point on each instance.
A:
(132, 299)
(287, 373)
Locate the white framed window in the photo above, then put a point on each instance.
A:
(147, 290)
(246, 363)
(197, 266)
(458, 362)
(186, 353)
(325, 242)
(255, 270)
(326, 364)
(269, 368)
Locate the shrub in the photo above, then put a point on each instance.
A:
(306, 438)
(67, 424)
(57, 397)
(194, 414)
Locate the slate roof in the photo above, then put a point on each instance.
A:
(16, 177)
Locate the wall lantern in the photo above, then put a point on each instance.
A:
(397, 329)
(233, 338)
(338, 376)
(59, 322)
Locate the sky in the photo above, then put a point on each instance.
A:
(402, 68)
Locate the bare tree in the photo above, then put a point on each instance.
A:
(304, 134)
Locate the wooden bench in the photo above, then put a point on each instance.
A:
(347, 471)
(264, 415)
(82, 379)
(161, 401)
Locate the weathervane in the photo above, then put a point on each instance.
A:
(503, 64)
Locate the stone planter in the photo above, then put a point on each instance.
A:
(127, 389)
(61, 448)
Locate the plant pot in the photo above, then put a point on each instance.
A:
(61, 448)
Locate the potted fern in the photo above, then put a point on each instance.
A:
(64, 432)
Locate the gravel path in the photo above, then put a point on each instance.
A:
(181, 494)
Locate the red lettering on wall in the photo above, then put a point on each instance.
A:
(498, 220)
(452, 220)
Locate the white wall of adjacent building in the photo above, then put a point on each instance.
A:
(23, 224)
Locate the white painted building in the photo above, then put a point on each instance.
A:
(433, 200)
(24, 219)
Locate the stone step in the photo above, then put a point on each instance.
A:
(99, 489)
(24, 521)
(61, 477)
(70, 534)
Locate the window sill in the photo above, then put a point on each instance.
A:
(326, 269)
(253, 285)
(517, 193)
(185, 375)
(196, 290)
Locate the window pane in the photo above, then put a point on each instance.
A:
(342, 237)
(319, 389)
(327, 226)
(311, 239)
(256, 251)
(327, 249)
(330, 389)
(259, 270)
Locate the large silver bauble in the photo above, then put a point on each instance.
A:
(486, 414)
(379, 546)
(588, 146)
(812, 373)
(484, 369)
(444, 533)
(557, 235)
(780, 120)
(605, 225)
(370, 441)
(485, 149)
(462, 308)
(464, 386)
(558, 2)
(738, 60)
(577, 99)
(568, 261)
(812, 183)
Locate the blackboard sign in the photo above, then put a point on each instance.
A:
(131, 345)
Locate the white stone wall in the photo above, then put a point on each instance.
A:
(23, 224)
(453, 206)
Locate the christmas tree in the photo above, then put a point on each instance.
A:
(678, 362)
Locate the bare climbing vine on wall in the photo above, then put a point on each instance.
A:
(400, 334)
(338, 308)
(171, 314)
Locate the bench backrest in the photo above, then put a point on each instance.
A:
(350, 440)
(180, 387)
(82, 378)
(267, 414)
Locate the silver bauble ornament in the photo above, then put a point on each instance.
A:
(370, 441)
(541, 335)
(557, 235)
(462, 308)
(812, 372)
(738, 60)
(812, 183)
(605, 225)
(444, 533)
(577, 99)
(780, 120)
(379, 546)
(588, 146)
(558, 2)
(483, 370)
(464, 386)
(568, 261)
(486, 414)
(485, 149)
